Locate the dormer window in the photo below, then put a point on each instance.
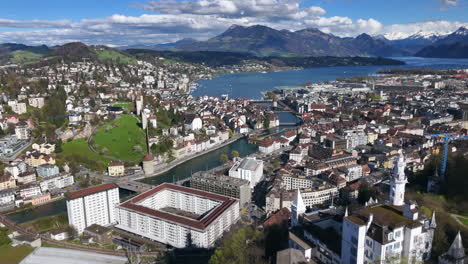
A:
(390, 236)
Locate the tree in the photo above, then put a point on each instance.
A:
(365, 193)
(58, 146)
(266, 122)
(235, 153)
(223, 158)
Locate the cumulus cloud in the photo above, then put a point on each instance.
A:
(269, 9)
(171, 20)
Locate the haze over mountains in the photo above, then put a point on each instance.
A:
(264, 41)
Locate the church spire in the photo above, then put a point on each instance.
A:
(433, 220)
(398, 181)
(297, 208)
(456, 250)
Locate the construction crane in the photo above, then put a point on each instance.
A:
(447, 138)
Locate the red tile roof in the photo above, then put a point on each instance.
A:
(91, 190)
(226, 202)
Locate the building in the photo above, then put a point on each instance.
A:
(94, 205)
(249, 169)
(398, 182)
(40, 199)
(22, 132)
(37, 102)
(223, 185)
(99, 234)
(7, 182)
(148, 164)
(19, 108)
(36, 159)
(177, 215)
(47, 170)
(56, 182)
(394, 230)
(26, 177)
(44, 148)
(42, 255)
(116, 168)
(455, 254)
(7, 197)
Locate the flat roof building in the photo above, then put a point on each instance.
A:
(94, 205)
(222, 184)
(177, 215)
(249, 169)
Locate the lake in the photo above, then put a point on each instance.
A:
(250, 85)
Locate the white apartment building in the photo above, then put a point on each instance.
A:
(94, 205)
(249, 169)
(57, 182)
(22, 132)
(173, 214)
(37, 102)
(19, 108)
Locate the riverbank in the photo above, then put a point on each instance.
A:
(168, 166)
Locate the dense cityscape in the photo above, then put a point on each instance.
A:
(257, 145)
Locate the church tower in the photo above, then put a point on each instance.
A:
(297, 208)
(398, 181)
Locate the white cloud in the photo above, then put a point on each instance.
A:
(268, 9)
(202, 19)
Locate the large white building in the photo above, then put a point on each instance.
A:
(94, 205)
(175, 215)
(249, 169)
(376, 233)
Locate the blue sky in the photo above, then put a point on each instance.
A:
(122, 22)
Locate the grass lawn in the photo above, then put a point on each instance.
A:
(49, 222)
(464, 220)
(79, 152)
(115, 56)
(126, 106)
(118, 138)
(14, 255)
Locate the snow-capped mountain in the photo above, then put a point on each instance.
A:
(454, 45)
(418, 35)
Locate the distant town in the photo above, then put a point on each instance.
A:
(367, 169)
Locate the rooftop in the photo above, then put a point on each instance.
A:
(201, 224)
(249, 164)
(91, 190)
(43, 255)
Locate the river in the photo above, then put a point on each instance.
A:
(204, 162)
(250, 85)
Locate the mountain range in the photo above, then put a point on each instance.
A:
(264, 41)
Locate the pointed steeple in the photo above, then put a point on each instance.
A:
(297, 208)
(433, 220)
(456, 250)
(346, 212)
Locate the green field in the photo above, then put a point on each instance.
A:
(49, 222)
(126, 106)
(464, 220)
(14, 255)
(79, 152)
(22, 56)
(112, 55)
(118, 138)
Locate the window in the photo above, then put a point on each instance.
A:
(397, 245)
(354, 251)
(397, 234)
(354, 240)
